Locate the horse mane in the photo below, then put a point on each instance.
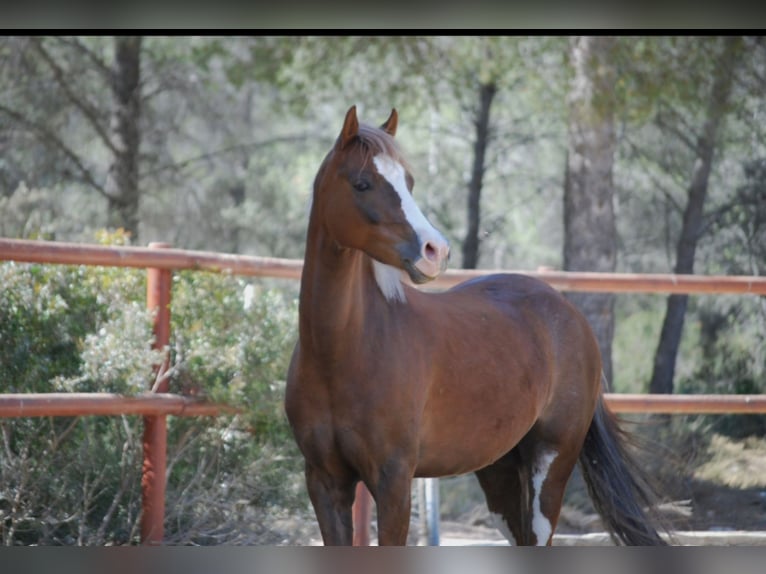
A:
(376, 141)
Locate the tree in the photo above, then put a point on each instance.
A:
(494, 84)
(704, 147)
(76, 71)
(471, 241)
(125, 141)
(589, 220)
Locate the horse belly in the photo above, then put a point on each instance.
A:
(470, 435)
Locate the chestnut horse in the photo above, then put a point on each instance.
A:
(500, 375)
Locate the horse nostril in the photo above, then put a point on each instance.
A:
(430, 252)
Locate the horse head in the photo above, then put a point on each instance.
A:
(363, 194)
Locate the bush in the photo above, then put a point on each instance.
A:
(86, 329)
(732, 360)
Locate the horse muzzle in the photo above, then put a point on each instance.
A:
(431, 262)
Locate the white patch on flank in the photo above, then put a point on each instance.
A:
(541, 526)
(502, 526)
(394, 173)
(389, 280)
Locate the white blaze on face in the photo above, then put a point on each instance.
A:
(541, 526)
(394, 173)
(388, 277)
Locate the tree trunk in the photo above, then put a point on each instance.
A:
(589, 222)
(237, 189)
(123, 186)
(673, 324)
(472, 242)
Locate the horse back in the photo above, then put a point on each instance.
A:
(527, 301)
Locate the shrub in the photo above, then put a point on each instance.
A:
(66, 328)
(732, 360)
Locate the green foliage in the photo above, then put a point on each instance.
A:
(731, 353)
(86, 329)
(44, 323)
(233, 342)
(232, 132)
(637, 323)
(731, 360)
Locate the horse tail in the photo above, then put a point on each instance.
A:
(618, 487)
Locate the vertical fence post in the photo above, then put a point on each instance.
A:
(428, 508)
(431, 504)
(361, 515)
(158, 282)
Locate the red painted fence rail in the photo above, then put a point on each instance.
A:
(160, 260)
(15, 405)
(248, 265)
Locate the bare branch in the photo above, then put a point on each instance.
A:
(98, 63)
(59, 438)
(717, 215)
(665, 125)
(666, 193)
(80, 102)
(223, 151)
(162, 376)
(49, 137)
(187, 440)
(125, 461)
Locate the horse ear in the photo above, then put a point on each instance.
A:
(389, 126)
(350, 128)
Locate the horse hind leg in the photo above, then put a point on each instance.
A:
(524, 492)
(505, 488)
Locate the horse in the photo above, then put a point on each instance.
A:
(500, 375)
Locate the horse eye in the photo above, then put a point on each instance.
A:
(362, 185)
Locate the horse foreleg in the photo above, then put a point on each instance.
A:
(392, 497)
(332, 498)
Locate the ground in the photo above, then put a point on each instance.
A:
(716, 486)
(722, 511)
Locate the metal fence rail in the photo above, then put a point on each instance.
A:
(15, 405)
(254, 266)
(686, 404)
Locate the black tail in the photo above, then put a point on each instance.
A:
(617, 486)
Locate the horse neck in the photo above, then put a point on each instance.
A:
(336, 286)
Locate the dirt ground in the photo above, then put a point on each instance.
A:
(716, 488)
(711, 508)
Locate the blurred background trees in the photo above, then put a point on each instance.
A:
(590, 236)
(635, 154)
